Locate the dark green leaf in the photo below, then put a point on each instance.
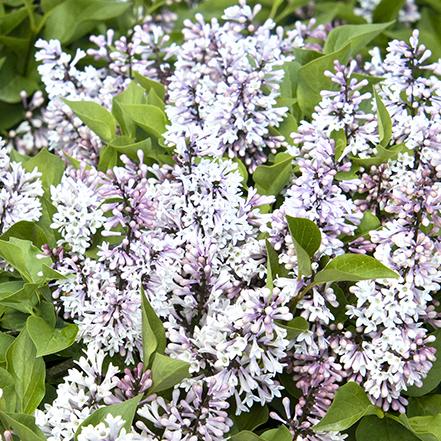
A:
(10, 93)
(96, 117)
(23, 425)
(387, 10)
(257, 416)
(353, 268)
(47, 339)
(294, 327)
(424, 406)
(349, 405)
(358, 36)
(167, 372)
(427, 428)
(28, 372)
(153, 333)
(386, 429)
(45, 221)
(126, 410)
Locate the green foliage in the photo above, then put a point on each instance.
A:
(23, 425)
(126, 410)
(149, 117)
(349, 405)
(96, 117)
(27, 371)
(47, 339)
(386, 429)
(249, 420)
(167, 372)
(153, 333)
(274, 268)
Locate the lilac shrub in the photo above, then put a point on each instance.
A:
(202, 298)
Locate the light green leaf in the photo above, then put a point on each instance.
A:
(368, 223)
(150, 118)
(427, 428)
(51, 166)
(11, 20)
(306, 238)
(10, 93)
(280, 434)
(26, 231)
(386, 429)
(246, 435)
(126, 410)
(149, 84)
(23, 425)
(353, 268)
(27, 371)
(96, 117)
(47, 339)
(167, 372)
(312, 79)
(349, 405)
(134, 94)
(153, 333)
(384, 121)
(340, 141)
(108, 159)
(274, 267)
(9, 399)
(23, 299)
(358, 36)
(271, 179)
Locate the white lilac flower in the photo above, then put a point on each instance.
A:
(19, 192)
(407, 14)
(78, 215)
(81, 393)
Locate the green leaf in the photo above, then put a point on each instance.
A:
(294, 327)
(340, 141)
(368, 223)
(349, 405)
(387, 10)
(149, 84)
(167, 372)
(153, 333)
(246, 435)
(21, 298)
(23, 425)
(74, 18)
(274, 267)
(132, 95)
(424, 406)
(27, 371)
(257, 416)
(47, 339)
(126, 410)
(426, 427)
(386, 429)
(280, 434)
(26, 231)
(21, 254)
(96, 117)
(353, 268)
(150, 118)
(108, 158)
(384, 121)
(271, 179)
(312, 79)
(306, 238)
(339, 312)
(10, 93)
(434, 375)
(51, 166)
(154, 100)
(9, 399)
(45, 221)
(11, 20)
(358, 36)
(127, 146)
